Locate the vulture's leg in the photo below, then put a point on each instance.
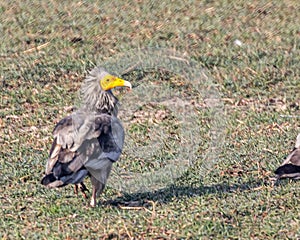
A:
(76, 189)
(82, 188)
(100, 182)
(98, 188)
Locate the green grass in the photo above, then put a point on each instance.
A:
(47, 48)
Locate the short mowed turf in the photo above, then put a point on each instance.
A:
(251, 52)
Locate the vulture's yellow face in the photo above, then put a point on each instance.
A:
(109, 81)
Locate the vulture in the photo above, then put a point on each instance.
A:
(90, 140)
(290, 168)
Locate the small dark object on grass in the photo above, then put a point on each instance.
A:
(76, 40)
(90, 140)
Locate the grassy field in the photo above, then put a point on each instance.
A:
(251, 51)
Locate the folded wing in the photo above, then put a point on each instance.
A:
(83, 144)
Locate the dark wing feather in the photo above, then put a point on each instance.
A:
(109, 148)
(291, 166)
(288, 171)
(79, 139)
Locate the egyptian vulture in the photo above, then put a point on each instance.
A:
(290, 168)
(90, 140)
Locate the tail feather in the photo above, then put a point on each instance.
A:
(48, 179)
(74, 178)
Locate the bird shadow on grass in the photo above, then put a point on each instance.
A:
(168, 194)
